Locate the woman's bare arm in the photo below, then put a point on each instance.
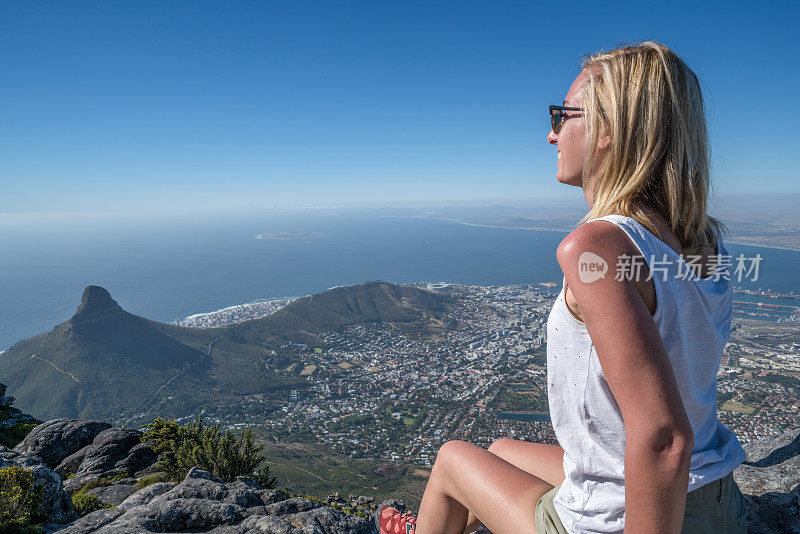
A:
(636, 366)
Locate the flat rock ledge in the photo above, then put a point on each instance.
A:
(203, 503)
(770, 482)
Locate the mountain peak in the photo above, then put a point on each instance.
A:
(96, 298)
(96, 305)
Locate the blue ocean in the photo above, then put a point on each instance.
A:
(169, 270)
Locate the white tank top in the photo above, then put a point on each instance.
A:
(694, 319)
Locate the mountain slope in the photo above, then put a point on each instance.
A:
(106, 363)
(101, 359)
(371, 302)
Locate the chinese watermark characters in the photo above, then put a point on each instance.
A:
(592, 267)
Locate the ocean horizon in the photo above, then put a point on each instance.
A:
(168, 272)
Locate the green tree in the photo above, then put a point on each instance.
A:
(226, 456)
(20, 499)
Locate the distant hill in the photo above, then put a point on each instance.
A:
(371, 302)
(106, 363)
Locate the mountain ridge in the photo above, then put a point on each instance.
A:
(107, 363)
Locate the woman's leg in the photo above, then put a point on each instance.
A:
(538, 459)
(467, 478)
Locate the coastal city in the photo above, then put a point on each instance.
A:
(378, 392)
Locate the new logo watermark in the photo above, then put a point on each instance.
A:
(591, 267)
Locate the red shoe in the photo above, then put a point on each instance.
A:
(390, 520)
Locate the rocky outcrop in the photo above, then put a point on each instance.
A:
(145, 495)
(89, 523)
(70, 464)
(203, 503)
(13, 423)
(115, 494)
(114, 452)
(55, 440)
(56, 503)
(9, 457)
(770, 480)
(110, 463)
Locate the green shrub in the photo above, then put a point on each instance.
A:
(11, 437)
(193, 445)
(147, 480)
(86, 503)
(101, 482)
(263, 477)
(20, 498)
(366, 512)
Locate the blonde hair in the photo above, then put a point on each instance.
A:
(650, 103)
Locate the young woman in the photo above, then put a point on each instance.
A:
(634, 339)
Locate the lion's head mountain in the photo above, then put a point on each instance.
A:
(106, 363)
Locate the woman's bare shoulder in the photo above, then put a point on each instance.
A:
(603, 238)
(592, 252)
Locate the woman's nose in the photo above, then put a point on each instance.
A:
(552, 138)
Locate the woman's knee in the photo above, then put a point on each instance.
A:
(451, 452)
(450, 449)
(500, 446)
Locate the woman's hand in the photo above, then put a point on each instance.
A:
(637, 368)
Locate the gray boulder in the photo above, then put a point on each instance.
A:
(108, 448)
(56, 503)
(770, 480)
(276, 495)
(140, 457)
(69, 465)
(202, 485)
(291, 506)
(54, 440)
(145, 495)
(267, 524)
(772, 465)
(113, 452)
(203, 503)
(9, 457)
(199, 484)
(91, 522)
(179, 515)
(113, 495)
(329, 521)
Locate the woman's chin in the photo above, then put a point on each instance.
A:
(567, 181)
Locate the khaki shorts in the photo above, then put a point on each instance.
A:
(716, 508)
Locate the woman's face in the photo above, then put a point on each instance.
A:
(570, 141)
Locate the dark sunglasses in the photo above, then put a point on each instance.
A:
(557, 116)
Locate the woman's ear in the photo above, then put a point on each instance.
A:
(603, 138)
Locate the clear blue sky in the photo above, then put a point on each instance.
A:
(197, 105)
